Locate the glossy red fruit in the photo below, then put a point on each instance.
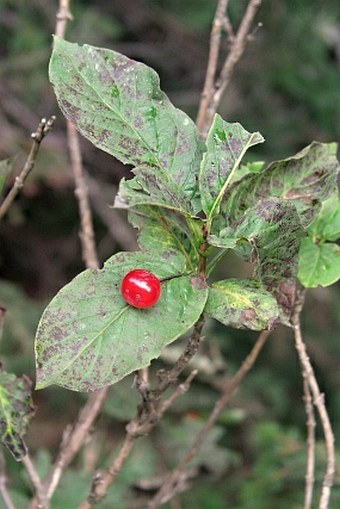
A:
(140, 288)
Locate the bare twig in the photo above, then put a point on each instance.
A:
(310, 464)
(139, 426)
(86, 233)
(63, 16)
(214, 87)
(3, 485)
(37, 136)
(169, 487)
(214, 50)
(318, 399)
(40, 492)
(167, 378)
(74, 437)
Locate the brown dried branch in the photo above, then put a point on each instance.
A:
(40, 492)
(86, 232)
(310, 464)
(75, 436)
(319, 402)
(168, 490)
(147, 417)
(215, 87)
(43, 128)
(167, 378)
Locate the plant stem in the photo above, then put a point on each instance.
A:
(43, 128)
(169, 487)
(318, 399)
(215, 87)
(310, 466)
(145, 420)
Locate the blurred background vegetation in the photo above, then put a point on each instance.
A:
(286, 87)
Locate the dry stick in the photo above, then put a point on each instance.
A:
(217, 87)
(36, 482)
(37, 136)
(137, 427)
(214, 50)
(310, 464)
(318, 399)
(169, 487)
(86, 232)
(74, 437)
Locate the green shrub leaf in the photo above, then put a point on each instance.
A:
(153, 187)
(226, 145)
(326, 225)
(243, 304)
(88, 337)
(319, 264)
(117, 104)
(269, 235)
(305, 179)
(159, 232)
(16, 409)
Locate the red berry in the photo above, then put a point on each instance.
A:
(140, 288)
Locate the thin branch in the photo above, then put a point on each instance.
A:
(147, 417)
(75, 436)
(40, 492)
(86, 232)
(214, 51)
(215, 88)
(319, 402)
(310, 464)
(3, 485)
(169, 487)
(167, 378)
(37, 136)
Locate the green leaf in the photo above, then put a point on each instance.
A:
(305, 180)
(16, 410)
(88, 337)
(319, 264)
(243, 304)
(6, 167)
(326, 225)
(159, 232)
(226, 145)
(268, 235)
(117, 104)
(152, 187)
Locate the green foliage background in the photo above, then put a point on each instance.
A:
(287, 88)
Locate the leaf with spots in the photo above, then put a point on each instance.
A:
(226, 145)
(306, 180)
(159, 231)
(88, 337)
(153, 187)
(118, 105)
(16, 410)
(268, 235)
(243, 304)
